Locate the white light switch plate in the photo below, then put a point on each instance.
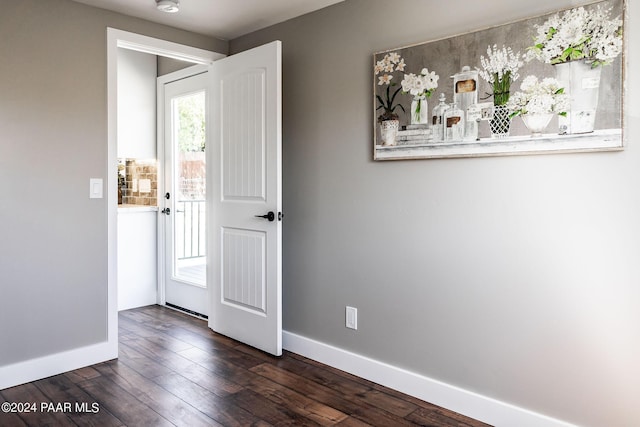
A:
(95, 188)
(351, 318)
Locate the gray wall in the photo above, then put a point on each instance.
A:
(513, 277)
(169, 65)
(53, 138)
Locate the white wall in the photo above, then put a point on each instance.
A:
(512, 277)
(137, 72)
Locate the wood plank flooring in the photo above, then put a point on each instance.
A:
(174, 371)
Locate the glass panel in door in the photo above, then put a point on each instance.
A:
(189, 190)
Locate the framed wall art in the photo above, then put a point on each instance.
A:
(548, 84)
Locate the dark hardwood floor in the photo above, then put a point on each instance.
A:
(173, 370)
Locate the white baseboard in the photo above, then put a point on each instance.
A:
(471, 404)
(47, 366)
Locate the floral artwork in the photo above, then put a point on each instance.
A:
(484, 73)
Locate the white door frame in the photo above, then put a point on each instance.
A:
(161, 81)
(123, 39)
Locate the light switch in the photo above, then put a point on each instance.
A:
(95, 188)
(351, 318)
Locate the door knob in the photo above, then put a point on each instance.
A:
(166, 211)
(270, 216)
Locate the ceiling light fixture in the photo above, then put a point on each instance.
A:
(169, 6)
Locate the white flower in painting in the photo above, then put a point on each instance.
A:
(410, 84)
(500, 69)
(385, 98)
(431, 78)
(385, 79)
(394, 57)
(571, 32)
(579, 33)
(420, 85)
(407, 82)
(539, 97)
(500, 63)
(605, 47)
(388, 67)
(390, 63)
(528, 83)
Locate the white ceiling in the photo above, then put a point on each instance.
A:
(225, 19)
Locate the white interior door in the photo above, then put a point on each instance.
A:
(246, 183)
(184, 201)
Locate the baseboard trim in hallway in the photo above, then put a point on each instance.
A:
(464, 402)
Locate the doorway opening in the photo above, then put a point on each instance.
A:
(117, 39)
(246, 231)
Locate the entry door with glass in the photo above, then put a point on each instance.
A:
(185, 257)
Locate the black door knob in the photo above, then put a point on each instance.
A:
(166, 211)
(270, 216)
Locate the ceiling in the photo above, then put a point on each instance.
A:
(225, 19)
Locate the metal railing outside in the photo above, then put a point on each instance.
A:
(190, 229)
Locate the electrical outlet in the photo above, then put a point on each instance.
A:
(351, 321)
